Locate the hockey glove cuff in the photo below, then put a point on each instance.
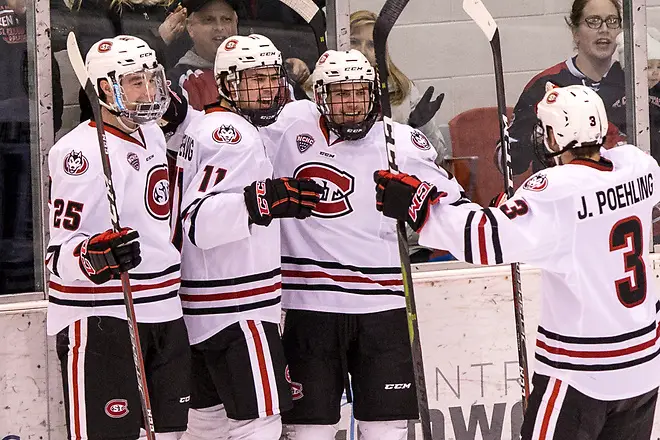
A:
(404, 197)
(105, 256)
(280, 198)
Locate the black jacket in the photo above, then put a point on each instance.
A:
(611, 88)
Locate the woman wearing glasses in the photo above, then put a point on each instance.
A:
(595, 25)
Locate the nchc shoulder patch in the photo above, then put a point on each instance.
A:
(538, 182)
(304, 142)
(226, 134)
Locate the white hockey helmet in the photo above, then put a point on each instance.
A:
(112, 59)
(576, 115)
(239, 53)
(334, 67)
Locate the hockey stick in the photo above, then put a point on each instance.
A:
(386, 19)
(314, 16)
(480, 15)
(81, 72)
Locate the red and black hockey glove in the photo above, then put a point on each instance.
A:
(404, 197)
(279, 198)
(105, 256)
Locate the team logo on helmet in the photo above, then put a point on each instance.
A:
(75, 163)
(226, 134)
(419, 140)
(304, 142)
(231, 45)
(337, 187)
(116, 408)
(105, 46)
(552, 97)
(296, 388)
(538, 182)
(134, 160)
(323, 58)
(157, 193)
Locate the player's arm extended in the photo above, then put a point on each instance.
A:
(78, 208)
(517, 231)
(213, 209)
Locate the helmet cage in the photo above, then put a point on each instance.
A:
(335, 121)
(246, 100)
(155, 85)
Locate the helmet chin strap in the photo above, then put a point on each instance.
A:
(127, 125)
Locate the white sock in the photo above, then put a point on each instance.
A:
(309, 432)
(390, 430)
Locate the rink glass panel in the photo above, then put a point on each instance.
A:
(434, 43)
(21, 252)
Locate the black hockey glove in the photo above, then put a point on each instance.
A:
(404, 197)
(425, 109)
(105, 256)
(279, 198)
(176, 112)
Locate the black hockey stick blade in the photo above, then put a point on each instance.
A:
(76, 60)
(478, 12)
(384, 24)
(313, 15)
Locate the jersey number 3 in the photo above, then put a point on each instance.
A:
(631, 290)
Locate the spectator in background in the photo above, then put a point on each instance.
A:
(408, 106)
(16, 227)
(653, 72)
(209, 23)
(595, 25)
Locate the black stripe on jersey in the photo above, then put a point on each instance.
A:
(232, 281)
(151, 276)
(335, 265)
(598, 340)
(335, 288)
(232, 309)
(110, 302)
(55, 251)
(497, 246)
(195, 206)
(461, 201)
(597, 367)
(467, 237)
(657, 307)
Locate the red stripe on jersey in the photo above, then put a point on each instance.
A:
(120, 134)
(74, 378)
(231, 295)
(482, 240)
(114, 289)
(268, 397)
(548, 410)
(600, 354)
(344, 278)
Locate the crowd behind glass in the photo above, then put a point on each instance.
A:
(185, 36)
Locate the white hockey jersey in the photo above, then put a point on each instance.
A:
(79, 208)
(587, 225)
(230, 270)
(345, 257)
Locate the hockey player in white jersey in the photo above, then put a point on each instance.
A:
(230, 231)
(587, 225)
(342, 284)
(85, 258)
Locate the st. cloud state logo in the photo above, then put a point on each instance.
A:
(337, 187)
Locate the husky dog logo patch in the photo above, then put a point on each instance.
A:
(75, 163)
(538, 182)
(226, 134)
